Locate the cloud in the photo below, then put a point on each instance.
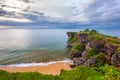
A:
(82, 11)
(101, 11)
(68, 11)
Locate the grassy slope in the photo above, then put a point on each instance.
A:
(79, 73)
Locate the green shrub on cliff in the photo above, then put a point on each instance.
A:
(86, 30)
(72, 40)
(93, 32)
(77, 47)
(90, 53)
(100, 57)
(96, 36)
(118, 50)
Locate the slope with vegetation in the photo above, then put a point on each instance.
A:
(79, 73)
(92, 48)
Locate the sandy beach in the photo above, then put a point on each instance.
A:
(54, 68)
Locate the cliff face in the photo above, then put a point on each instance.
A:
(91, 48)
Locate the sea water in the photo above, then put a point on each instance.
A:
(37, 45)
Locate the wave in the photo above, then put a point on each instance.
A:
(35, 64)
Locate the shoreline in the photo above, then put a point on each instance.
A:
(53, 68)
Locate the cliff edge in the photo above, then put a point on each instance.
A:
(92, 48)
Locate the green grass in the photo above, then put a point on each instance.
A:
(77, 47)
(72, 40)
(79, 73)
(90, 53)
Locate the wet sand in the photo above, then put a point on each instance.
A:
(53, 69)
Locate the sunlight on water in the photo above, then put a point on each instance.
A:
(36, 45)
(14, 39)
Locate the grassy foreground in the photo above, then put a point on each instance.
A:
(78, 73)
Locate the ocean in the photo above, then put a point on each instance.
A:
(37, 45)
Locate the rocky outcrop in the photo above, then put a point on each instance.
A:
(92, 49)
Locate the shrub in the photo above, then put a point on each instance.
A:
(72, 40)
(90, 53)
(118, 50)
(110, 72)
(93, 32)
(77, 47)
(79, 73)
(86, 30)
(100, 57)
(26, 76)
(114, 41)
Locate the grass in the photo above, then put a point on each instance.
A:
(105, 72)
(77, 47)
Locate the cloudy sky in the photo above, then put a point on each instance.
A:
(91, 12)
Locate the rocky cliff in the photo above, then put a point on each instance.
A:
(92, 48)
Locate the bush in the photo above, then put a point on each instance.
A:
(86, 30)
(118, 50)
(77, 47)
(90, 53)
(110, 72)
(100, 57)
(26, 76)
(93, 32)
(114, 41)
(79, 73)
(72, 40)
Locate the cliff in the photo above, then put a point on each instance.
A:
(92, 48)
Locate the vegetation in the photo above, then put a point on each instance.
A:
(99, 71)
(118, 50)
(79, 73)
(90, 53)
(72, 40)
(100, 57)
(86, 30)
(77, 47)
(99, 49)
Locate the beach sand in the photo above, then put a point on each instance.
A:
(54, 68)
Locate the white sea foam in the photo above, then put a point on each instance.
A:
(35, 64)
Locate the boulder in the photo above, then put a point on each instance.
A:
(90, 62)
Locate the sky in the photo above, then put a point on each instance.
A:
(60, 12)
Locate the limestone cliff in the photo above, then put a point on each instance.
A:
(92, 48)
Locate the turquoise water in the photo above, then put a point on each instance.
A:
(36, 45)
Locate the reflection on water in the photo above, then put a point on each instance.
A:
(16, 43)
(14, 39)
(34, 45)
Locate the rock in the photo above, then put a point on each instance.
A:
(93, 44)
(90, 62)
(71, 34)
(83, 38)
(75, 54)
(79, 61)
(115, 60)
(109, 54)
(98, 45)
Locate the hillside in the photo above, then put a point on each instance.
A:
(92, 48)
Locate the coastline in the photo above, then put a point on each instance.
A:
(53, 68)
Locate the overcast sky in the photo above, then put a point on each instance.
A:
(80, 11)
